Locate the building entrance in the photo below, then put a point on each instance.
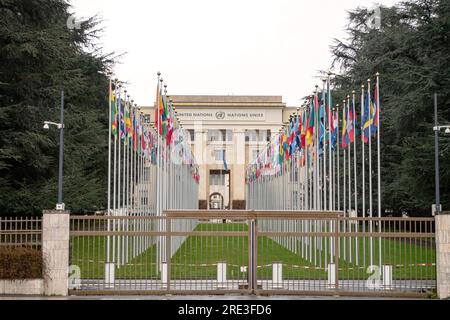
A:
(219, 190)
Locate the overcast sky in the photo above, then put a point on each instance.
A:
(226, 47)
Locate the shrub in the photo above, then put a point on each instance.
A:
(19, 263)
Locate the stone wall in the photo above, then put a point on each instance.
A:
(22, 287)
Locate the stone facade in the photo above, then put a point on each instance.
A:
(55, 250)
(443, 255)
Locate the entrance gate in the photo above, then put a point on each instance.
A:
(252, 252)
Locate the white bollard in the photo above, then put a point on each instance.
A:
(277, 275)
(221, 274)
(387, 276)
(164, 275)
(109, 275)
(331, 275)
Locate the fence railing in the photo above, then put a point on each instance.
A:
(253, 251)
(21, 232)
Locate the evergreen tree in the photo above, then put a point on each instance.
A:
(411, 50)
(40, 56)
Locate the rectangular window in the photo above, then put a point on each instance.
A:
(255, 154)
(219, 155)
(191, 135)
(216, 179)
(251, 135)
(229, 134)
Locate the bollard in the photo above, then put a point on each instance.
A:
(221, 274)
(109, 275)
(387, 276)
(164, 275)
(277, 275)
(331, 275)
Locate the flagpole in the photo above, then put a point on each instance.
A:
(349, 176)
(363, 169)
(379, 161)
(338, 155)
(330, 119)
(119, 172)
(109, 170)
(344, 182)
(158, 175)
(116, 100)
(370, 173)
(324, 148)
(355, 174)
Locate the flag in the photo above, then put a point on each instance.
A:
(114, 112)
(376, 110)
(303, 130)
(335, 128)
(122, 121)
(344, 129)
(350, 119)
(310, 127)
(366, 120)
(322, 125)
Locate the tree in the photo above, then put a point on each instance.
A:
(40, 56)
(411, 50)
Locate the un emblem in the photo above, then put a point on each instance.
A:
(220, 115)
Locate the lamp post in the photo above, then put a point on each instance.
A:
(437, 130)
(60, 206)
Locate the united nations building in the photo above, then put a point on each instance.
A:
(226, 133)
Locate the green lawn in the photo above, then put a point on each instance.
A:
(198, 256)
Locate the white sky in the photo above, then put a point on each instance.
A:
(236, 47)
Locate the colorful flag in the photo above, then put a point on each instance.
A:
(344, 129)
(114, 112)
(310, 127)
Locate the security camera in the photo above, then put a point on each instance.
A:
(447, 131)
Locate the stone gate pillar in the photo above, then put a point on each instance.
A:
(443, 255)
(55, 250)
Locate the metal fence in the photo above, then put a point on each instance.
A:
(21, 232)
(262, 252)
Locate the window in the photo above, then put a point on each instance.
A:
(220, 135)
(216, 179)
(250, 135)
(191, 134)
(255, 154)
(147, 119)
(219, 155)
(229, 134)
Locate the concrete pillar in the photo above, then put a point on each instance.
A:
(331, 280)
(443, 255)
(221, 275)
(55, 250)
(277, 275)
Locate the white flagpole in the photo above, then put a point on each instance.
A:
(354, 172)
(344, 182)
(349, 178)
(109, 172)
(370, 173)
(363, 169)
(330, 120)
(119, 172)
(338, 155)
(324, 149)
(379, 161)
(116, 99)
